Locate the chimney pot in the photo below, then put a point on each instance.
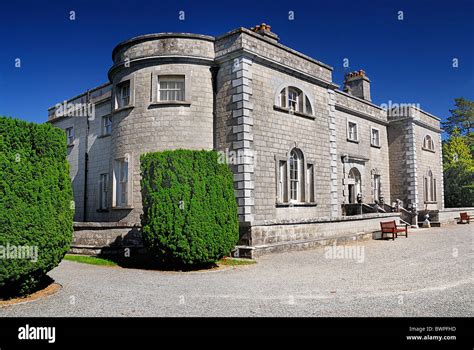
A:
(357, 84)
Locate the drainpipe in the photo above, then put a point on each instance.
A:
(86, 161)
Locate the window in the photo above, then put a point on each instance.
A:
(429, 187)
(103, 191)
(352, 134)
(282, 181)
(295, 174)
(428, 143)
(283, 98)
(310, 182)
(107, 125)
(295, 179)
(376, 188)
(309, 109)
(171, 88)
(123, 94)
(375, 137)
(70, 136)
(295, 100)
(121, 182)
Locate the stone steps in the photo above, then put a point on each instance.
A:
(94, 239)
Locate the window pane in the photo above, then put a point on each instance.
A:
(309, 110)
(283, 98)
(171, 88)
(310, 182)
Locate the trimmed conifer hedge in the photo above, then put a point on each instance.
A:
(36, 210)
(189, 207)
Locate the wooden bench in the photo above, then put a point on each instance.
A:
(391, 227)
(464, 218)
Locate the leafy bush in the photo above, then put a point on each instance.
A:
(35, 203)
(189, 208)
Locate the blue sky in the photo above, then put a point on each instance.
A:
(407, 61)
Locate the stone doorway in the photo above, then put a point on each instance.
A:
(354, 185)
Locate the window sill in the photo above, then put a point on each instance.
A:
(122, 208)
(430, 202)
(299, 114)
(103, 136)
(289, 205)
(428, 150)
(169, 104)
(375, 146)
(121, 109)
(353, 141)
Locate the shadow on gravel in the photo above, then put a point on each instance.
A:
(140, 259)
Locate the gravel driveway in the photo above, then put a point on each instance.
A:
(428, 274)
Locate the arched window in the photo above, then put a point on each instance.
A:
(296, 174)
(354, 186)
(428, 143)
(429, 187)
(295, 100)
(295, 179)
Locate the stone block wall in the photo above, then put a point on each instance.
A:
(429, 161)
(369, 160)
(276, 132)
(76, 159)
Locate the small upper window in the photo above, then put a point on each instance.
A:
(375, 137)
(107, 125)
(70, 136)
(123, 94)
(428, 143)
(352, 133)
(295, 100)
(171, 88)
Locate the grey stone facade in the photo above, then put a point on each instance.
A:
(246, 93)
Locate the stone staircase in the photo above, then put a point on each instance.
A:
(95, 238)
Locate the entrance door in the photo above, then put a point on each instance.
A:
(354, 188)
(351, 193)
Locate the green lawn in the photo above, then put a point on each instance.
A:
(89, 260)
(235, 262)
(92, 260)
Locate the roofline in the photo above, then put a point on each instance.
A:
(151, 36)
(358, 99)
(247, 31)
(83, 94)
(427, 113)
(277, 44)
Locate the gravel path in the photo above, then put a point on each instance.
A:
(428, 274)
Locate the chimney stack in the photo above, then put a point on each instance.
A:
(265, 30)
(357, 84)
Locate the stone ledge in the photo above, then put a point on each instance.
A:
(259, 250)
(326, 219)
(99, 225)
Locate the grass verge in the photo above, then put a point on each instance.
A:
(91, 260)
(235, 262)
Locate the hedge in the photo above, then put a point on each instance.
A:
(36, 210)
(189, 207)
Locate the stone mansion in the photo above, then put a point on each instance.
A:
(316, 162)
